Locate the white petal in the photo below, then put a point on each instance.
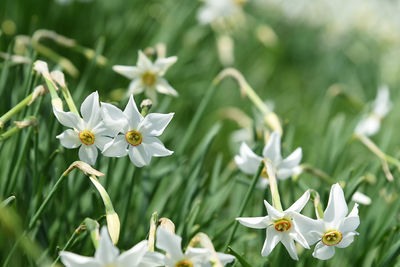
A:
(88, 154)
(74, 260)
(361, 198)
(272, 149)
(130, 72)
(312, 230)
(151, 259)
(300, 203)
(139, 156)
(69, 139)
(247, 161)
(101, 141)
(255, 222)
(347, 240)
(351, 222)
(162, 64)
(164, 87)
(170, 243)
(292, 161)
(368, 126)
(290, 246)
(297, 236)
(272, 212)
(155, 123)
(143, 61)
(90, 110)
(337, 207)
(135, 87)
(200, 255)
(106, 251)
(116, 148)
(155, 147)
(133, 256)
(273, 238)
(323, 252)
(68, 119)
(132, 114)
(225, 258)
(382, 103)
(114, 118)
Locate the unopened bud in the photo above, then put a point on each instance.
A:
(84, 167)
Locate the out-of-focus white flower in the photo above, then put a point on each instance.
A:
(137, 135)
(284, 228)
(218, 9)
(148, 76)
(248, 161)
(89, 133)
(361, 198)
(334, 230)
(371, 124)
(193, 257)
(108, 255)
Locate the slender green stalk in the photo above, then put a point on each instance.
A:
(9, 133)
(244, 204)
(314, 196)
(7, 116)
(70, 101)
(273, 185)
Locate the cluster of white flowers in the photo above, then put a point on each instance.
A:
(335, 229)
(139, 255)
(116, 133)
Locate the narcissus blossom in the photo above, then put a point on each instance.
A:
(334, 230)
(193, 257)
(148, 76)
(108, 255)
(248, 161)
(89, 132)
(370, 125)
(137, 135)
(281, 227)
(217, 9)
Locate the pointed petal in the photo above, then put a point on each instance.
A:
(323, 252)
(130, 72)
(297, 236)
(312, 230)
(225, 258)
(290, 246)
(170, 243)
(155, 123)
(368, 126)
(336, 210)
(247, 161)
(382, 104)
(162, 64)
(106, 251)
(74, 260)
(198, 254)
(135, 87)
(68, 119)
(300, 203)
(90, 110)
(272, 212)
(255, 222)
(69, 139)
(101, 141)
(347, 240)
(88, 154)
(143, 61)
(132, 114)
(287, 173)
(292, 161)
(273, 238)
(116, 148)
(351, 222)
(151, 259)
(139, 156)
(164, 87)
(133, 256)
(155, 147)
(272, 149)
(114, 118)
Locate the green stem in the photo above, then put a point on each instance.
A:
(70, 101)
(7, 116)
(69, 242)
(319, 173)
(244, 204)
(9, 133)
(273, 185)
(314, 196)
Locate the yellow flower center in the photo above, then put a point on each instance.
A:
(148, 78)
(133, 137)
(87, 137)
(332, 238)
(184, 263)
(282, 225)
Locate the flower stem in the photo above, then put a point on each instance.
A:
(273, 185)
(15, 110)
(70, 101)
(244, 204)
(319, 212)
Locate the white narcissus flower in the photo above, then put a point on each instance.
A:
(216, 9)
(248, 161)
(89, 133)
(371, 124)
(148, 76)
(137, 135)
(193, 257)
(281, 227)
(334, 230)
(108, 255)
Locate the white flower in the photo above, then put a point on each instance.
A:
(217, 9)
(89, 133)
(281, 227)
(361, 198)
(137, 135)
(248, 161)
(147, 76)
(334, 230)
(108, 255)
(370, 125)
(193, 257)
